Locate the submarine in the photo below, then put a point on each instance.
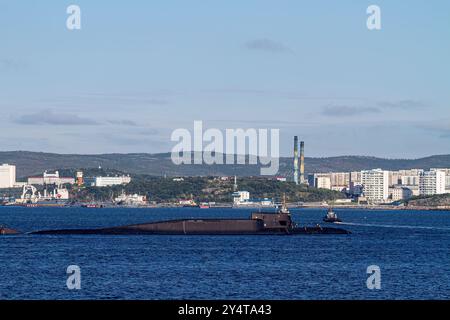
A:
(259, 223)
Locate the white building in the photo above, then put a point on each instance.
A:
(240, 197)
(337, 180)
(50, 178)
(432, 182)
(447, 178)
(399, 192)
(107, 181)
(375, 185)
(409, 180)
(340, 179)
(322, 182)
(7, 176)
(135, 199)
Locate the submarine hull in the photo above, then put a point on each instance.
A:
(201, 227)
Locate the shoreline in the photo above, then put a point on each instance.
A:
(229, 206)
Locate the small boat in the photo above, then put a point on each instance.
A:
(331, 217)
(204, 205)
(7, 231)
(92, 206)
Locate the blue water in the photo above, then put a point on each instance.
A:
(412, 249)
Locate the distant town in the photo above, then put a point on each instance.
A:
(99, 187)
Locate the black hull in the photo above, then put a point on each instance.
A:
(198, 227)
(260, 223)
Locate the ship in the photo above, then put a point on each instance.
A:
(331, 217)
(7, 231)
(92, 205)
(31, 198)
(278, 222)
(190, 203)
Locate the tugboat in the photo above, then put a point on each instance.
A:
(331, 217)
(7, 231)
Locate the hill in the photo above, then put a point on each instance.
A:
(29, 163)
(438, 200)
(206, 189)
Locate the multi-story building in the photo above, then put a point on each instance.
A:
(355, 178)
(107, 181)
(447, 179)
(335, 180)
(394, 178)
(313, 176)
(409, 180)
(375, 185)
(399, 192)
(339, 179)
(432, 182)
(322, 182)
(241, 197)
(7, 176)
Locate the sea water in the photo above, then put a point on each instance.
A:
(411, 249)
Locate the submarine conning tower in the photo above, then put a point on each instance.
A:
(279, 221)
(274, 221)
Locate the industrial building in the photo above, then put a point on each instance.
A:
(7, 176)
(50, 178)
(107, 181)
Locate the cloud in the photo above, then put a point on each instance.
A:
(48, 117)
(345, 111)
(130, 123)
(7, 64)
(149, 132)
(267, 45)
(402, 104)
(442, 129)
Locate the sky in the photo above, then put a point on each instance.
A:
(138, 70)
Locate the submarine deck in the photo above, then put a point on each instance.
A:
(198, 227)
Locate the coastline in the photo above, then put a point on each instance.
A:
(230, 206)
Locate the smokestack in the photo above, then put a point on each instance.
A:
(302, 162)
(296, 159)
